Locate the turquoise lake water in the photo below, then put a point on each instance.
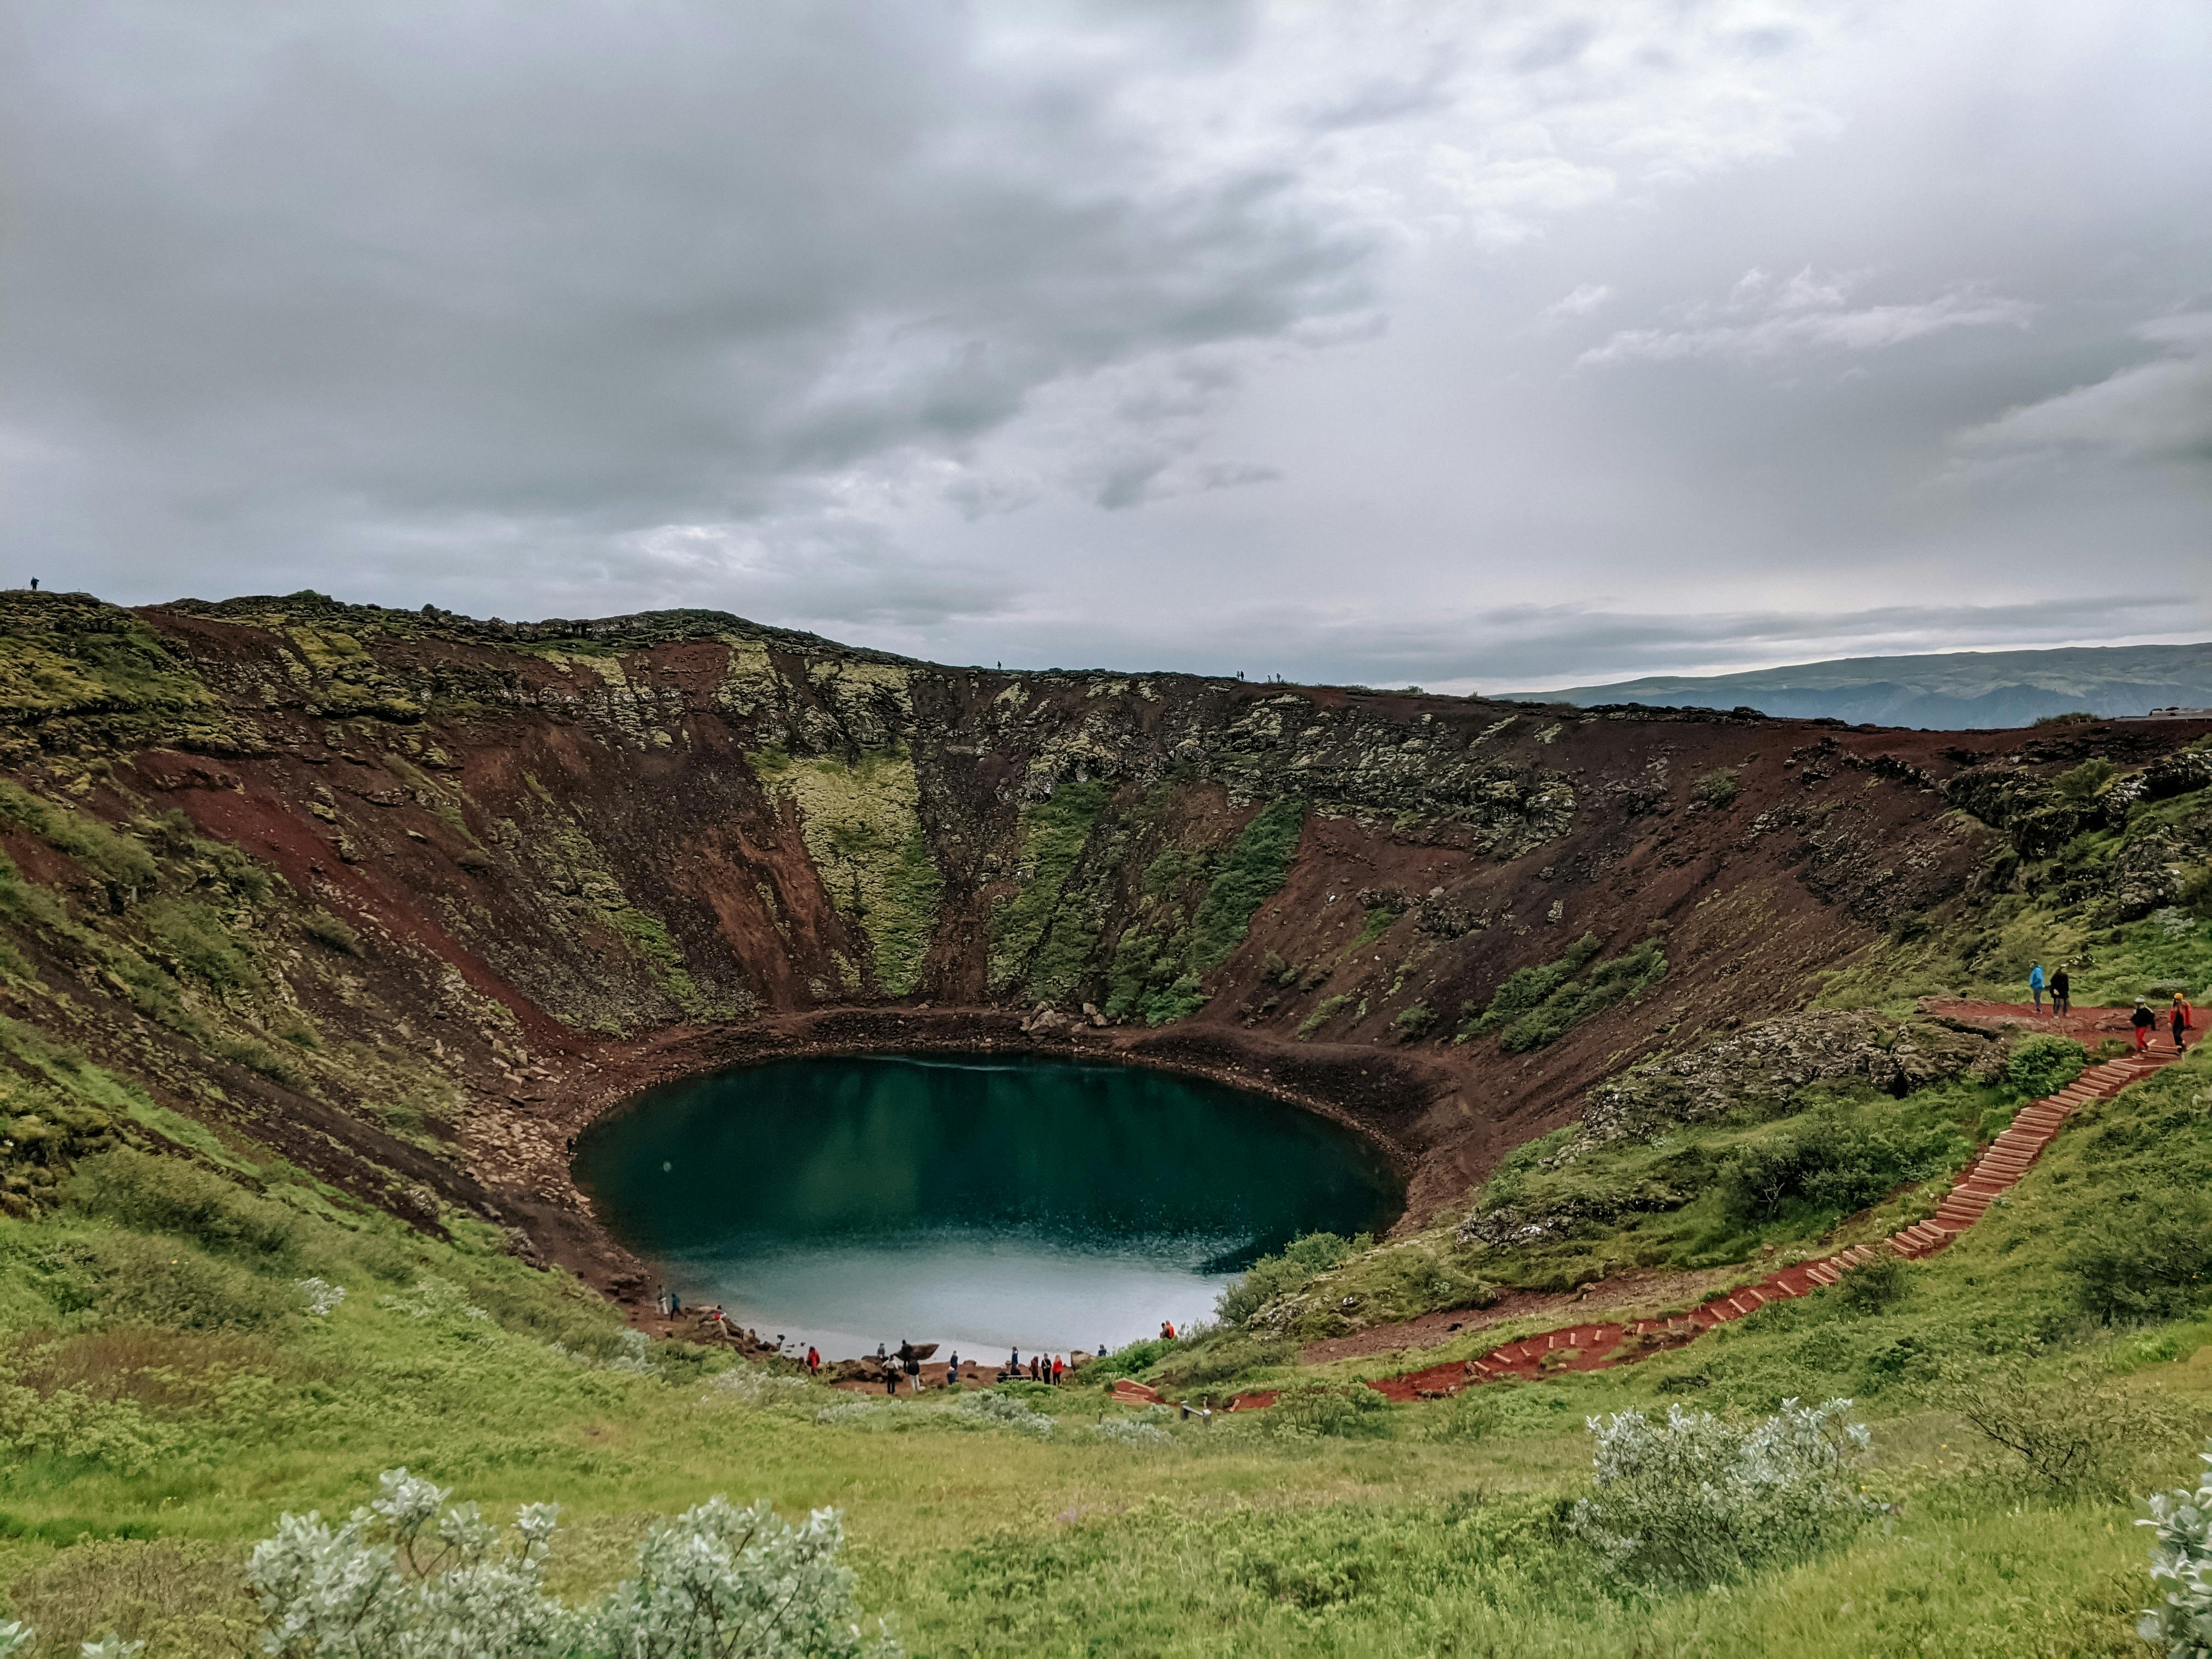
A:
(982, 1202)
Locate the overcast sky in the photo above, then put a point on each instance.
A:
(1479, 346)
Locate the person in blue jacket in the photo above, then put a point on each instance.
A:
(2035, 984)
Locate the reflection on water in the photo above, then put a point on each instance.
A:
(983, 1202)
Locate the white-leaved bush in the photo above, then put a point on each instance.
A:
(2181, 1566)
(1133, 1431)
(999, 1411)
(15, 1638)
(321, 1296)
(410, 1576)
(756, 1385)
(1698, 1499)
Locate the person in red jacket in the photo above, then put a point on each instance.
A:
(1057, 1368)
(813, 1359)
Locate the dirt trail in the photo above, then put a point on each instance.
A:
(1597, 1346)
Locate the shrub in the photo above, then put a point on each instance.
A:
(1472, 1413)
(1718, 787)
(1355, 1412)
(2087, 781)
(1324, 1010)
(1225, 1354)
(1875, 1286)
(191, 1595)
(1414, 1022)
(1134, 1431)
(992, 1410)
(2044, 1064)
(2149, 1261)
(1827, 1162)
(169, 1196)
(130, 1278)
(399, 1577)
(2181, 1563)
(332, 933)
(1698, 1499)
(2076, 1430)
(1126, 1361)
(1285, 1273)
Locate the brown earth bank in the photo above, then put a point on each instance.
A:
(404, 899)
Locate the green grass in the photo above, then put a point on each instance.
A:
(163, 1392)
(1032, 937)
(1537, 1006)
(1160, 962)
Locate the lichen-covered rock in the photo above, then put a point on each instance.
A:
(1764, 1064)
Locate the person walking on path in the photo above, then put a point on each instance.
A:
(2062, 993)
(1057, 1368)
(2035, 984)
(2142, 1020)
(2182, 1010)
(813, 1360)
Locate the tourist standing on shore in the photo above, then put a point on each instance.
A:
(813, 1360)
(2035, 984)
(1057, 1367)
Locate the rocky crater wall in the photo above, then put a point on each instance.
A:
(405, 897)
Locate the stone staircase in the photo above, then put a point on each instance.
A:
(1594, 1346)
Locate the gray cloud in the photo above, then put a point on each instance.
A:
(2157, 411)
(1524, 646)
(1373, 345)
(1762, 320)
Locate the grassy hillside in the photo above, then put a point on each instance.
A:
(283, 1067)
(169, 1389)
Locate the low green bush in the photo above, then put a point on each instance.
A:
(130, 1279)
(1223, 1356)
(2147, 1260)
(1875, 1286)
(1698, 1500)
(2044, 1063)
(1284, 1273)
(2087, 781)
(169, 1196)
(1471, 1415)
(1718, 787)
(1827, 1162)
(1356, 1413)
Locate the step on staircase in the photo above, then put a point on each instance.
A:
(1594, 1346)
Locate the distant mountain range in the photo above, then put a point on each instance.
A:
(1951, 690)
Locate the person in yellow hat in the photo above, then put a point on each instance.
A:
(2183, 1016)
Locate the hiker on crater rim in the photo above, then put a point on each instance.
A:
(2035, 984)
(2142, 1020)
(2062, 993)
